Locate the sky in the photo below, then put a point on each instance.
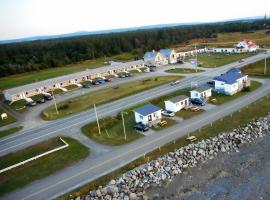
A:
(26, 18)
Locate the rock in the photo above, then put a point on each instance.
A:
(133, 196)
(98, 193)
(167, 169)
(112, 182)
(126, 197)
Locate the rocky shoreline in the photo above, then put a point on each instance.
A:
(133, 184)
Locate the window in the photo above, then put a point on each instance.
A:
(182, 103)
(196, 94)
(141, 117)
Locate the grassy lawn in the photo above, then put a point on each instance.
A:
(112, 132)
(10, 131)
(257, 109)
(18, 106)
(170, 122)
(221, 99)
(7, 121)
(25, 78)
(71, 87)
(184, 70)
(186, 114)
(57, 92)
(257, 68)
(23, 175)
(86, 101)
(219, 59)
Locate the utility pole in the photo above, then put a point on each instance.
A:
(55, 105)
(124, 128)
(196, 57)
(264, 66)
(97, 119)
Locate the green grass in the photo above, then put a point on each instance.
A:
(86, 101)
(7, 121)
(170, 122)
(10, 131)
(257, 68)
(18, 106)
(221, 99)
(256, 110)
(57, 92)
(219, 59)
(186, 114)
(31, 77)
(23, 175)
(184, 70)
(112, 132)
(71, 87)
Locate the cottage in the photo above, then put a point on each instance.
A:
(247, 45)
(155, 58)
(148, 115)
(201, 93)
(177, 103)
(231, 82)
(170, 55)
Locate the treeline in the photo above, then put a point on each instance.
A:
(33, 56)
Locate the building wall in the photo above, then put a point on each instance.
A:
(205, 94)
(175, 107)
(230, 89)
(156, 116)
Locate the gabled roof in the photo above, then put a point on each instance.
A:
(234, 70)
(201, 89)
(178, 98)
(166, 52)
(147, 109)
(150, 54)
(230, 76)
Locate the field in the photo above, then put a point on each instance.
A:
(7, 121)
(86, 101)
(257, 69)
(257, 109)
(184, 70)
(112, 132)
(23, 175)
(10, 131)
(226, 39)
(25, 78)
(219, 59)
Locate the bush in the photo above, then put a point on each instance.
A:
(247, 89)
(63, 107)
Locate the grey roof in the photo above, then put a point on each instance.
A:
(147, 109)
(150, 54)
(201, 89)
(166, 52)
(178, 98)
(49, 82)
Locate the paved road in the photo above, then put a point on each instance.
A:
(73, 177)
(90, 168)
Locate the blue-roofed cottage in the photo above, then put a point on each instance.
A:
(155, 58)
(231, 82)
(170, 55)
(148, 114)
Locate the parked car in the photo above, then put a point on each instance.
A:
(141, 127)
(174, 83)
(31, 103)
(100, 81)
(40, 100)
(86, 85)
(198, 102)
(122, 76)
(128, 74)
(47, 97)
(107, 80)
(152, 69)
(211, 82)
(95, 83)
(167, 113)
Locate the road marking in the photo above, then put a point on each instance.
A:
(237, 103)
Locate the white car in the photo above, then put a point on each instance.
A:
(167, 113)
(174, 83)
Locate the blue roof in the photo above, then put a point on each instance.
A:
(147, 109)
(230, 76)
(150, 54)
(166, 52)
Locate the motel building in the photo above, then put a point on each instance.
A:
(201, 93)
(231, 82)
(170, 55)
(29, 90)
(149, 115)
(177, 103)
(155, 58)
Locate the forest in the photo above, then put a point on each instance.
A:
(37, 55)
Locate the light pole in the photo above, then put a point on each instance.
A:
(196, 66)
(97, 119)
(264, 65)
(124, 128)
(55, 105)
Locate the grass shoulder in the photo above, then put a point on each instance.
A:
(37, 169)
(258, 69)
(10, 131)
(84, 102)
(184, 70)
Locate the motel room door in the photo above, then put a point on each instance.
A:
(150, 118)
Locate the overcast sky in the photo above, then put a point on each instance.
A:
(24, 18)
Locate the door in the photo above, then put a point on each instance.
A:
(150, 118)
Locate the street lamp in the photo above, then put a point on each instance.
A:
(124, 128)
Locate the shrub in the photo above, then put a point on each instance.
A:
(63, 107)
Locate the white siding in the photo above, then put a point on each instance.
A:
(145, 119)
(175, 107)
